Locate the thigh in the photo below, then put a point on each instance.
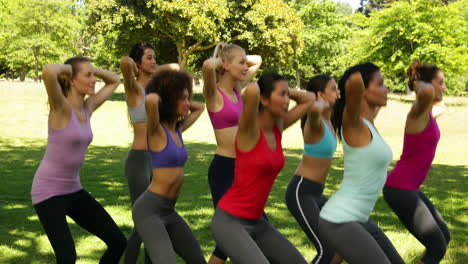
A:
(234, 240)
(52, 215)
(383, 241)
(437, 216)
(90, 215)
(152, 231)
(274, 245)
(352, 242)
(183, 240)
(138, 172)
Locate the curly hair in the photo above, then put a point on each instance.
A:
(170, 86)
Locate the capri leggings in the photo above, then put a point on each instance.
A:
(138, 172)
(304, 199)
(164, 231)
(87, 213)
(359, 243)
(422, 219)
(252, 241)
(220, 179)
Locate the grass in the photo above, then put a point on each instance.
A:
(23, 119)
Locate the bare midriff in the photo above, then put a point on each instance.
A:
(167, 182)
(314, 169)
(225, 139)
(139, 136)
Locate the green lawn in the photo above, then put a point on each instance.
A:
(23, 119)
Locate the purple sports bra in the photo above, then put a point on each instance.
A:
(171, 156)
(229, 115)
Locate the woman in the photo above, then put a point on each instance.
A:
(304, 195)
(238, 226)
(170, 112)
(366, 160)
(137, 70)
(56, 189)
(402, 190)
(225, 75)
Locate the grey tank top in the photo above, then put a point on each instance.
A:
(138, 114)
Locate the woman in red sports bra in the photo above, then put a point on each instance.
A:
(238, 226)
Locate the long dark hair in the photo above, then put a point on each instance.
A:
(75, 63)
(266, 83)
(138, 50)
(170, 86)
(316, 84)
(367, 71)
(421, 72)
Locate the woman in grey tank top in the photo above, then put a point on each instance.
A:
(137, 70)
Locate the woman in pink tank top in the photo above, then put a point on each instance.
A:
(238, 226)
(224, 76)
(402, 190)
(56, 189)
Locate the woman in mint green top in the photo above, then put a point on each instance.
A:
(366, 160)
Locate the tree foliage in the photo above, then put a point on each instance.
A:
(426, 30)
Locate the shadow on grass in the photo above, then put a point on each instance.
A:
(102, 175)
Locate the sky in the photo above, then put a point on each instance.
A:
(354, 3)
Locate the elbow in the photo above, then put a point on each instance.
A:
(49, 70)
(252, 91)
(207, 65)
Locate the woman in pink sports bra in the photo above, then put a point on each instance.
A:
(137, 70)
(224, 76)
(56, 190)
(402, 190)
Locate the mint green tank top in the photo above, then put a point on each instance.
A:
(365, 172)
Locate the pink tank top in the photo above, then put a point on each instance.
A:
(229, 115)
(418, 153)
(58, 173)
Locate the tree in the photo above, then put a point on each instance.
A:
(426, 30)
(326, 33)
(35, 32)
(268, 27)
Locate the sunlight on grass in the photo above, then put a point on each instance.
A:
(24, 113)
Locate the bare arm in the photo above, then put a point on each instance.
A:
(354, 96)
(248, 131)
(196, 109)
(129, 71)
(209, 81)
(169, 66)
(254, 62)
(424, 100)
(51, 75)
(111, 81)
(152, 111)
(304, 101)
(313, 121)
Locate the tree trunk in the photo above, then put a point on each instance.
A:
(36, 64)
(12, 75)
(298, 75)
(22, 76)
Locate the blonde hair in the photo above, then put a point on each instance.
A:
(224, 50)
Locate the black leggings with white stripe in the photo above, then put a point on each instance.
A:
(304, 199)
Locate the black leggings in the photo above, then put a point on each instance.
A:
(220, 179)
(304, 199)
(422, 219)
(87, 213)
(252, 241)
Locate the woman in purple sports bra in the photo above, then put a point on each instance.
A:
(169, 112)
(224, 76)
(56, 189)
(137, 70)
(402, 190)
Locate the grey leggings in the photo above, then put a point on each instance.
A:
(164, 231)
(422, 219)
(359, 243)
(252, 241)
(138, 172)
